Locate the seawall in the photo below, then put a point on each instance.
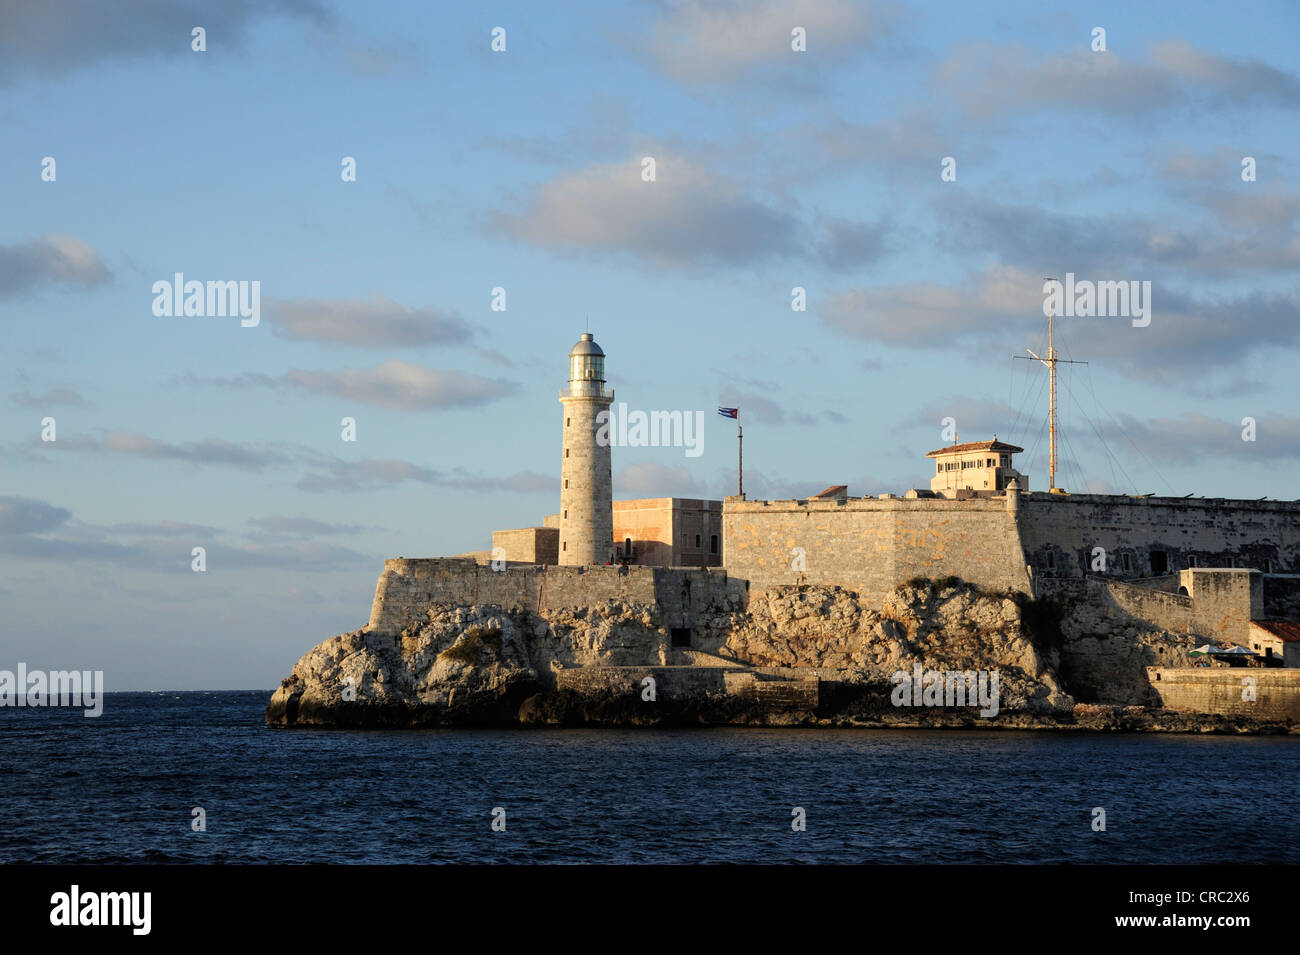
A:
(1228, 690)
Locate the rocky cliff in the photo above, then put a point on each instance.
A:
(956, 627)
(791, 655)
(1103, 656)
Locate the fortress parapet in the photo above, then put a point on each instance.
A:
(409, 586)
(1022, 542)
(872, 545)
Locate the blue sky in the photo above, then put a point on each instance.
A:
(521, 169)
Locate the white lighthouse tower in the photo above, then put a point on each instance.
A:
(586, 488)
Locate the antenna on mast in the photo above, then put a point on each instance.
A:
(1051, 361)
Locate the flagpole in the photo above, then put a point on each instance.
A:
(740, 460)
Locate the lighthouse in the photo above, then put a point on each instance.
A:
(586, 484)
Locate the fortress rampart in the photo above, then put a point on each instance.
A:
(1194, 566)
(872, 545)
(1151, 536)
(1215, 604)
(408, 586)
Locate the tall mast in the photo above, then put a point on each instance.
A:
(1051, 401)
(1051, 362)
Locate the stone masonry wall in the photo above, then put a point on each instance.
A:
(1219, 690)
(1060, 532)
(531, 545)
(871, 545)
(1219, 604)
(407, 588)
(1166, 611)
(1225, 601)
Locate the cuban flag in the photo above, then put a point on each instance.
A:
(729, 412)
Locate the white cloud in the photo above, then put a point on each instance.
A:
(51, 259)
(377, 321)
(988, 80)
(684, 216)
(647, 479)
(711, 41)
(402, 386)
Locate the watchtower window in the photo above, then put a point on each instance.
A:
(566, 452)
(713, 543)
(697, 540)
(1128, 564)
(681, 636)
(627, 547)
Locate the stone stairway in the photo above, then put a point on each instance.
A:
(775, 690)
(683, 657)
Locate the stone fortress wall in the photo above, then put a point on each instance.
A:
(1272, 694)
(872, 545)
(1034, 544)
(1153, 536)
(1213, 603)
(1197, 566)
(408, 587)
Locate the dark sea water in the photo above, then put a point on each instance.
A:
(121, 788)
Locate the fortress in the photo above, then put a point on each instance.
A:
(772, 602)
(1205, 562)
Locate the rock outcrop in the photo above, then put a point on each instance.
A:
(1103, 656)
(953, 628)
(803, 655)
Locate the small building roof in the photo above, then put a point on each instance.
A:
(835, 490)
(976, 446)
(1288, 631)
